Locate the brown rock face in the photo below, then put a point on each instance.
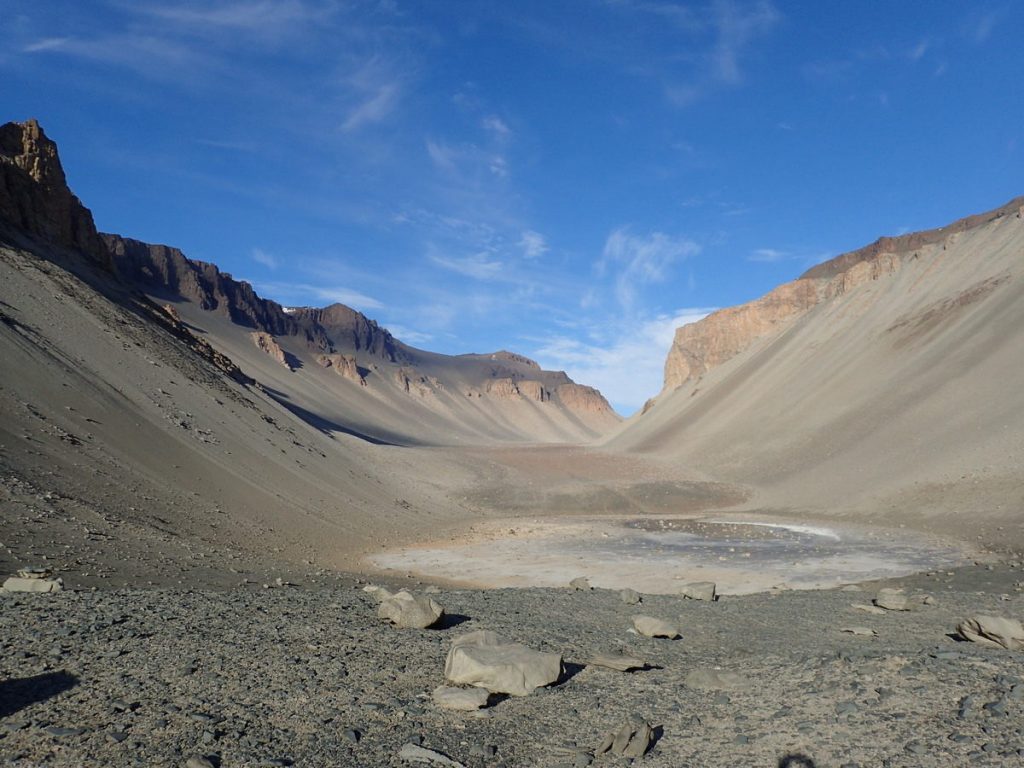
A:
(413, 382)
(34, 194)
(706, 344)
(512, 357)
(344, 365)
(349, 329)
(582, 399)
(161, 269)
(504, 389)
(701, 346)
(534, 390)
(268, 344)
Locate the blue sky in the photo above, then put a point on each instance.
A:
(570, 180)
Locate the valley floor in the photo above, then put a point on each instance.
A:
(307, 675)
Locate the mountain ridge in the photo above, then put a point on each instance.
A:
(704, 345)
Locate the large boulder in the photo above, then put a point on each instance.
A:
(649, 626)
(409, 611)
(632, 739)
(993, 631)
(483, 659)
(700, 590)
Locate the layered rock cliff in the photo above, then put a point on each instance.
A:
(34, 195)
(699, 347)
(343, 365)
(584, 400)
(349, 329)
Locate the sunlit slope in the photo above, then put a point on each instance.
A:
(898, 387)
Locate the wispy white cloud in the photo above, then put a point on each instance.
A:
(534, 244)
(480, 266)
(625, 359)
(408, 335)
(235, 146)
(737, 26)
(441, 155)
(641, 260)
(298, 294)
(496, 127)
(375, 108)
(375, 92)
(917, 52)
(981, 26)
(768, 255)
(262, 257)
(46, 44)
(250, 15)
(153, 56)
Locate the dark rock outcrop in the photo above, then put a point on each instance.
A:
(34, 194)
(352, 330)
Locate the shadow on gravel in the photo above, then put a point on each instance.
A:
(18, 693)
(450, 620)
(569, 671)
(796, 761)
(656, 733)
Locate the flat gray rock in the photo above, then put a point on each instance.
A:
(32, 584)
(891, 600)
(631, 740)
(860, 631)
(617, 661)
(716, 680)
(460, 699)
(376, 592)
(414, 754)
(649, 626)
(993, 632)
(629, 596)
(865, 608)
(409, 611)
(485, 660)
(700, 590)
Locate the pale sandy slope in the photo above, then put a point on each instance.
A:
(100, 405)
(436, 412)
(900, 399)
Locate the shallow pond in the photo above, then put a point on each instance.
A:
(657, 555)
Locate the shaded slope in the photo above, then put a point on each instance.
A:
(889, 380)
(338, 364)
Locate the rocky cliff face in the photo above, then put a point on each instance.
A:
(268, 344)
(343, 365)
(706, 344)
(34, 195)
(167, 271)
(583, 400)
(164, 270)
(349, 329)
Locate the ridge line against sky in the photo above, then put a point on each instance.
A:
(568, 180)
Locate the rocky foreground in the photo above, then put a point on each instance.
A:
(309, 675)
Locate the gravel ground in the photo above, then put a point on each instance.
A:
(307, 675)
